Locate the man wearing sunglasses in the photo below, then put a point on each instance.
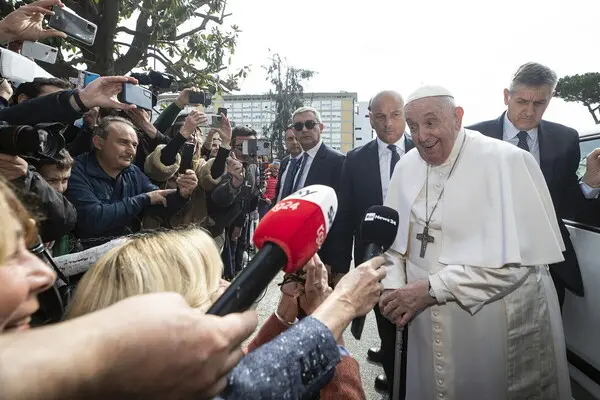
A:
(319, 164)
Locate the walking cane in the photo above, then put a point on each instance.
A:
(400, 364)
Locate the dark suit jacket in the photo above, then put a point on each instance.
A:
(559, 160)
(326, 169)
(360, 189)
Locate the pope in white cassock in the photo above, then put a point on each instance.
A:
(468, 268)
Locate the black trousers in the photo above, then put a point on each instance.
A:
(387, 334)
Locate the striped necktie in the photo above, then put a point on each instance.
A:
(522, 135)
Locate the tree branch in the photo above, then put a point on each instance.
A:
(202, 26)
(127, 30)
(592, 111)
(169, 66)
(139, 44)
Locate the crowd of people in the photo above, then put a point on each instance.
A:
(121, 230)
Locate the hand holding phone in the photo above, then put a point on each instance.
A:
(137, 95)
(67, 21)
(187, 155)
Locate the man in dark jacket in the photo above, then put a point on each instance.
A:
(110, 193)
(58, 216)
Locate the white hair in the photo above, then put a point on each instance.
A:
(304, 109)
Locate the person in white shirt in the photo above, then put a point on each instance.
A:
(469, 266)
(365, 181)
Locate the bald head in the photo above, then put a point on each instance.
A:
(386, 113)
(385, 95)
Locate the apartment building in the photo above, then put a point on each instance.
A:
(258, 111)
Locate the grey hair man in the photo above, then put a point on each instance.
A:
(109, 192)
(555, 147)
(319, 164)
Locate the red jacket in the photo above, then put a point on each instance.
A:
(270, 190)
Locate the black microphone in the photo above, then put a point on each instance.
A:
(378, 231)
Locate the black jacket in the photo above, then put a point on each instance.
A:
(58, 216)
(559, 160)
(326, 169)
(360, 189)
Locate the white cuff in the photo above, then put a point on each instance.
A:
(588, 191)
(439, 288)
(396, 270)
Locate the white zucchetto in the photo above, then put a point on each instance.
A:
(428, 91)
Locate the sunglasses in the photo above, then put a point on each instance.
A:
(298, 126)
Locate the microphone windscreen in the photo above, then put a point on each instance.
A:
(299, 224)
(379, 226)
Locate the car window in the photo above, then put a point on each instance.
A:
(586, 147)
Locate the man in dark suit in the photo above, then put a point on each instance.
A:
(319, 164)
(287, 175)
(556, 149)
(365, 181)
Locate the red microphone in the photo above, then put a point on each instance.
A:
(287, 236)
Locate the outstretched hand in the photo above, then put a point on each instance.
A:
(25, 23)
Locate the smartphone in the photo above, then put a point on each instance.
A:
(134, 94)
(201, 98)
(187, 155)
(215, 120)
(222, 110)
(67, 21)
(249, 147)
(89, 77)
(39, 51)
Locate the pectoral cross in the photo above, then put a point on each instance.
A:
(425, 240)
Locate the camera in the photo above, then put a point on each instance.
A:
(201, 97)
(158, 80)
(41, 140)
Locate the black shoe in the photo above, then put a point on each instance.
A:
(375, 355)
(381, 383)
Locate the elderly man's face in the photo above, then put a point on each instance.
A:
(307, 129)
(527, 104)
(433, 125)
(119, 148)
(387, 118)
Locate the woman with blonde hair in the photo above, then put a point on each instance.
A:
(182, 261)
(188, 262)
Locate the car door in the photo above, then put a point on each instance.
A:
(581, 315)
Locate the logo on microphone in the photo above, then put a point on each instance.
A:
(286, 205)
(320, 235)
(374, 216)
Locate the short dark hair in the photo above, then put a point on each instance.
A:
(242, 131)
(104, 124)
(534, 75)
(63, 162)
(34, 89)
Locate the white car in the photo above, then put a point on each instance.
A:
(581, 315)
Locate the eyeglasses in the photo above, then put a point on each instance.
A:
(298, 126)
(292, 285)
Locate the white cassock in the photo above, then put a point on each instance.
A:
(496, 332)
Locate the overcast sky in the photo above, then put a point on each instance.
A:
(470, 46)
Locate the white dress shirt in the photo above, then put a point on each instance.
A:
(311, 156)
(385, 159)
(510, 135)
(285, 174)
